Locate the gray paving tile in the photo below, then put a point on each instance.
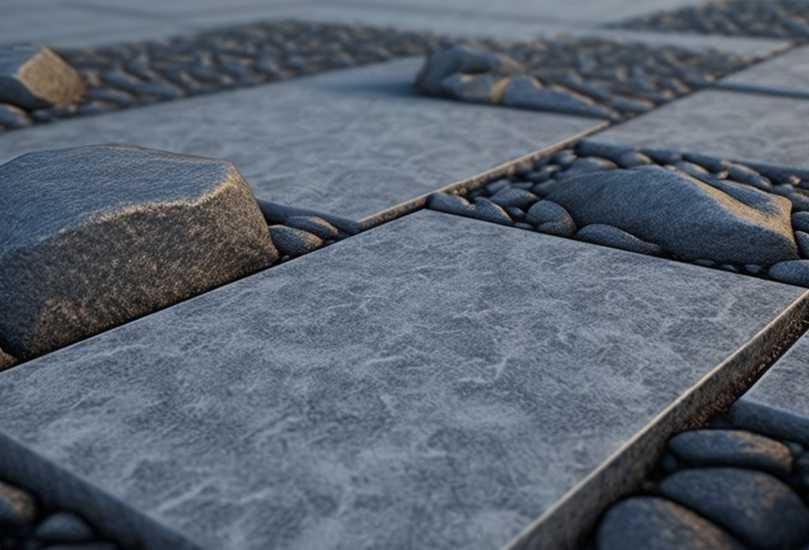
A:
(435, 382)
(788, 72)
(350, 143)
(744, 127)
(778, 404)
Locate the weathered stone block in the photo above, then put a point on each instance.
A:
(95, 236)
(32, 77)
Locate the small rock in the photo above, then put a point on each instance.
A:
(754, 269)
(609, 151)
(95, 236)
(549, 217)
(293, 242)
(489, 211)
(514, 197)
(607, 235)
(63, 527)
(32, 77)
(633, 159)
(6, 360)
(800, 221)
(754, 506)
(315, 226)
(13, 117)
(803, 243)
(732, 448)
(793, 272)
(653, 523)
(451, 204)
(728, 223)
(460, 60)
(585, 165)
(18, 510)
(497, 186)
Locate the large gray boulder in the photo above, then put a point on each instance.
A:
(95, 236)
(688, 217)
(32, 77)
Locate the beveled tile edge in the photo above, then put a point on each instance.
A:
(752, 89)
(571, 519)
(113, 518)
(412, 205)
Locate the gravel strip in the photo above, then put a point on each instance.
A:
(766, 19)
(750, 219)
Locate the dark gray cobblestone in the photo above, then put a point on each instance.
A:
(26, 523)
(712, 212)
(142, 73)
(583, 76)
(766, 19)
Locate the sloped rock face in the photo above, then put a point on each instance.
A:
(32, 77)
(95, 236)
(687, 217)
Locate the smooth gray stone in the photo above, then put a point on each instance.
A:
(608, 235)
(725, 222)
(445, 395)
(301, 143)
(461, 60)
(95, 236)
(778, 403)
(525, 92)
(736, 126)
(18, 510)
(293, 242)
(514, 197)
(314, 225)
(549, 217)
(63, 527)
(800, 221)
(802, 239)
(793, 272)
(654, 523)
(33, 76)
(738, 448)
(754, 506)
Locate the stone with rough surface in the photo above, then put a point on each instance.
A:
(794, 272)
(725, 222)
(732, 448)
(33, 77)
(17, 509)
(96, 236)
(435, 382)
(754, 506)
(293, 242)
(63, 527)
(653, 523)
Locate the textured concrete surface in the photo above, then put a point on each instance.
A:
(788, 73)
(95, 236)
(778, 403)
(350, 143)
(743, 127)
(436, 382)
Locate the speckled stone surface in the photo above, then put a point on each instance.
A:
(436, 382)
(743, 127)
(778, 403)
(788, 72)
(350, 143)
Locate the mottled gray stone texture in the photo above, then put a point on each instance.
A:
(95, 236)
(436, 382)
(788, 72)
(350, 143)
(743, 127)
(33, 76)
(778, 404)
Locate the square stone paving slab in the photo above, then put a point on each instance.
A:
(788, 73)
(730, 125)
(350, 143)
(435, 382)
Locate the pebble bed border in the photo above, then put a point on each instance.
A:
(508, 200)
(781, 19)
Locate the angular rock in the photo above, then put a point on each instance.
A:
(460, 60)
(549, 217)
(793, 272)
(732, 448)
(654, 523)
(528, 93)
(607, 235)
(17, 509)
(63, 527)
(754, 506)
(722, 221)
(32, 77)
(95, 236)
(293, 242)
(6, 360)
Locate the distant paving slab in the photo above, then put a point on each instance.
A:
(351, 143)
(436, 382)
(778, 403)
(742, 127)
(787, 74)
